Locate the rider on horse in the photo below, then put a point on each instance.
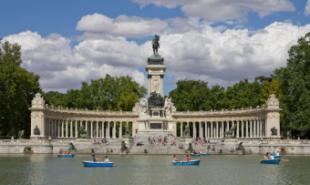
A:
(155, 44)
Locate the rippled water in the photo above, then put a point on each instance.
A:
(149, 170)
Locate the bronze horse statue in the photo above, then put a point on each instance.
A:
(155, 44)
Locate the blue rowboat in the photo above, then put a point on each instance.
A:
(97, 164)
(270, 161)
(186, 163)
(66, 155)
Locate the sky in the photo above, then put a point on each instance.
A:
(219, 41)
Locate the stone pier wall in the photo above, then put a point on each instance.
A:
(233, 147)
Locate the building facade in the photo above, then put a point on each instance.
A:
(155, 115)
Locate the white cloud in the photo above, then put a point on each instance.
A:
(230, 55)
(307, 9)
(120, 26)
(207, 53)
(222, 10)
(62, 66)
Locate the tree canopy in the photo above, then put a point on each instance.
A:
(196, 95)
(17, 88)
(294, 81)
(109, 93)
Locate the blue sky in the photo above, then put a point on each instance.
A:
(61, 39)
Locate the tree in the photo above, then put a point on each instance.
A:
(294, 82)
(191, 95)
(17, 88)
(109, 93)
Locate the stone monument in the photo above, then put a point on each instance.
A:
(154, 110)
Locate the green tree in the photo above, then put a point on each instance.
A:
(294, 82)
(17, 88)
(191, 95)
(109, 93)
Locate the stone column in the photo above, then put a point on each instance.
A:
(62, 128)
(217, 129)
(86, 128)
(58, 128)
(181, 129)
(121, 129)
(206, 131)
(222, 129)
(259, 128)
(102, 129)
(255, 126)
(194, 129)
(91, 129)
(97, 129)
(251, 128)
(212, 130)
(114, 130)
(108, 130)
(237, 131)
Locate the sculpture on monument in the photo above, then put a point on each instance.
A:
(36, 130)
(155, 100)
(187, 131)
(82, 133)
(155, 44)
(230, 132)
(274, 131)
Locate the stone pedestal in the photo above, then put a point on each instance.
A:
(156, 71)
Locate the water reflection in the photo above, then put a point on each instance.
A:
(145, 170)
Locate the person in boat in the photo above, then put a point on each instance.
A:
(175, 157)
(106, 159)
(267, 155)
(93, 155)
(187, 157)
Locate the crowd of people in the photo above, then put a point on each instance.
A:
(163, 140)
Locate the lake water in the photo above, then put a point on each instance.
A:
(152, 170)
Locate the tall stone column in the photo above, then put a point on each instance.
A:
(108, 131)
(212, 129)
(91, 129)
(86, 128)
(102, 129)
(217, 129)
(120, 131)
(255, 128)
(97, 129)
(76, 128)
(181, 129)
(206, 131)
(237, 131)
(259, 128)
(62, 128)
